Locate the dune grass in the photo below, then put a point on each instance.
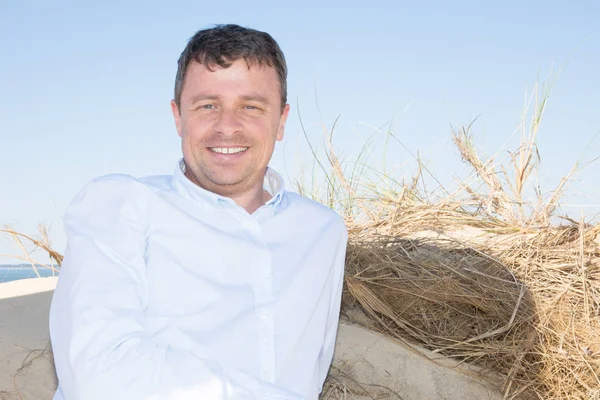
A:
(29, 245)
(484, 274)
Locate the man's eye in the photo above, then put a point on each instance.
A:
(207, 106)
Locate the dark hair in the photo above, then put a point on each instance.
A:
(224, 44)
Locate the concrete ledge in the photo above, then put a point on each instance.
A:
(24, 287)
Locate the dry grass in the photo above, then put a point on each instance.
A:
(520, 304)
(483, 274)
(43, 244)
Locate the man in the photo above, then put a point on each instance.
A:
(213, 283)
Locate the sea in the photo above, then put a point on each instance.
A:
(10, 273)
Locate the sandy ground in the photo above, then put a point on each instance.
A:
(363, 360)
(26, 368)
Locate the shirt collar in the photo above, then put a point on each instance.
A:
(273, 184)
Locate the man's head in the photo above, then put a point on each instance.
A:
(230, 108)
(223, 44)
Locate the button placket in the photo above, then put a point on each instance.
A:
(269, 350)
(263, 298)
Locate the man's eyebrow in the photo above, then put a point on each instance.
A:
(255, 97)
(248, 97)
(201, 96)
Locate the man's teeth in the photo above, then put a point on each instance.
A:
(225, 150)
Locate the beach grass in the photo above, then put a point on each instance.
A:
(489, 274)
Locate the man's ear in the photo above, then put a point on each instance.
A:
(176, 116)
(282, 120)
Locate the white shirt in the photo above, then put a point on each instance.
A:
(168, 291)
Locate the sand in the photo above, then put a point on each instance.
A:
(26, 368)
(363, 358)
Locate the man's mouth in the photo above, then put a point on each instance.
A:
(228, 150)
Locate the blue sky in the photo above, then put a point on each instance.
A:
(85, 87)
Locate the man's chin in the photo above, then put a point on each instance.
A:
(222, 181)
(224, 184)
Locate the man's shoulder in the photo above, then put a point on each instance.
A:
(117, 190)
(108, 199)
(122, 184)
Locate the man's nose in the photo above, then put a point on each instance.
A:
(228, 122)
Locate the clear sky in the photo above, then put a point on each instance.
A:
(85, 87)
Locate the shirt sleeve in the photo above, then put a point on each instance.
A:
(326, 354)
(101, 347)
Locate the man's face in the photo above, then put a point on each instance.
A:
(229, 120)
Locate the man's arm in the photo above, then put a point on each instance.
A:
(97, 323)
(326, 355)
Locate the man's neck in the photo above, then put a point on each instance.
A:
(250, 200)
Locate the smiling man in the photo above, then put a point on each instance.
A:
(214, 282)
(229, 116)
